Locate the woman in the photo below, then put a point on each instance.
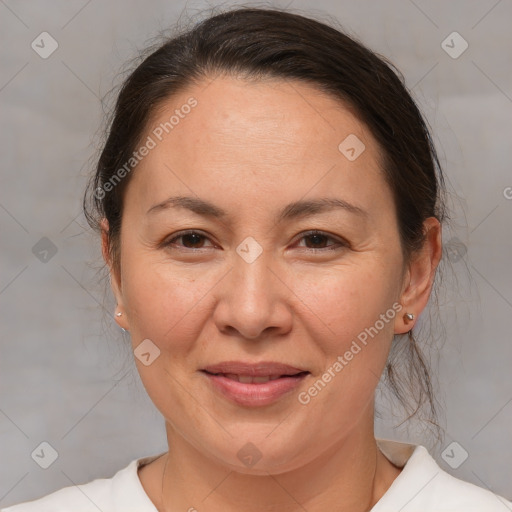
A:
(270, 205)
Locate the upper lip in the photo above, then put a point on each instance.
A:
(261, 369)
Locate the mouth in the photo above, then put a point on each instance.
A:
(254, 384)
(248, 379)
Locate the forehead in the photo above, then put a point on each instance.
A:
(267, 111)
(253, 137)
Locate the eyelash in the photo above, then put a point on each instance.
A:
(339, 243)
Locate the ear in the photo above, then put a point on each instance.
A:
(115, 278)
(419, 276)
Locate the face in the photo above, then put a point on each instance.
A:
(286, 252)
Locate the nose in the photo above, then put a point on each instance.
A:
(254, 300)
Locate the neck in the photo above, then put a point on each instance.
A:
(351, 475)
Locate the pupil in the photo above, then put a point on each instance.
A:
(317, 239)
(192, 238)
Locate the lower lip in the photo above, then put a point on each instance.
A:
(257, 394)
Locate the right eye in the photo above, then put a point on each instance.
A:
(191, 239)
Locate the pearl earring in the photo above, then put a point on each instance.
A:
(409, 317)
(119, 314)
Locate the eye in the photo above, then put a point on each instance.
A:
(314, 241)
(318, 241)
(189, 240)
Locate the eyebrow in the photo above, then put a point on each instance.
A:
(297, 209)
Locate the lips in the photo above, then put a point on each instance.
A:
(261, 369)
(254, 384)
(247, 379)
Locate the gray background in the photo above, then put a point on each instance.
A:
(67, 376)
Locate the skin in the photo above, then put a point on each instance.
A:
(251, 148)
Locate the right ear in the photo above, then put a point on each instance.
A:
(114, 278)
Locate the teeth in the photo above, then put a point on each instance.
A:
(247, 379)
(260, 380)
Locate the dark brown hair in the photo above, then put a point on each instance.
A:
(269, 43)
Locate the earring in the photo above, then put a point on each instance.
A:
(118, 314)
(408, 317)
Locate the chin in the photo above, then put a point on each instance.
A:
(262, 455)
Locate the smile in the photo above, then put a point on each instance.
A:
(254, 391)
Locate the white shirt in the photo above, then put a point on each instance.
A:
(422, 486)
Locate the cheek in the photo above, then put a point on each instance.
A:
(345, 301)
(166, 306)
(353, 327)
(161, 300)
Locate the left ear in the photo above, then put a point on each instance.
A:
(420, 275)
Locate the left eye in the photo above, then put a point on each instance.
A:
(318, 241)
